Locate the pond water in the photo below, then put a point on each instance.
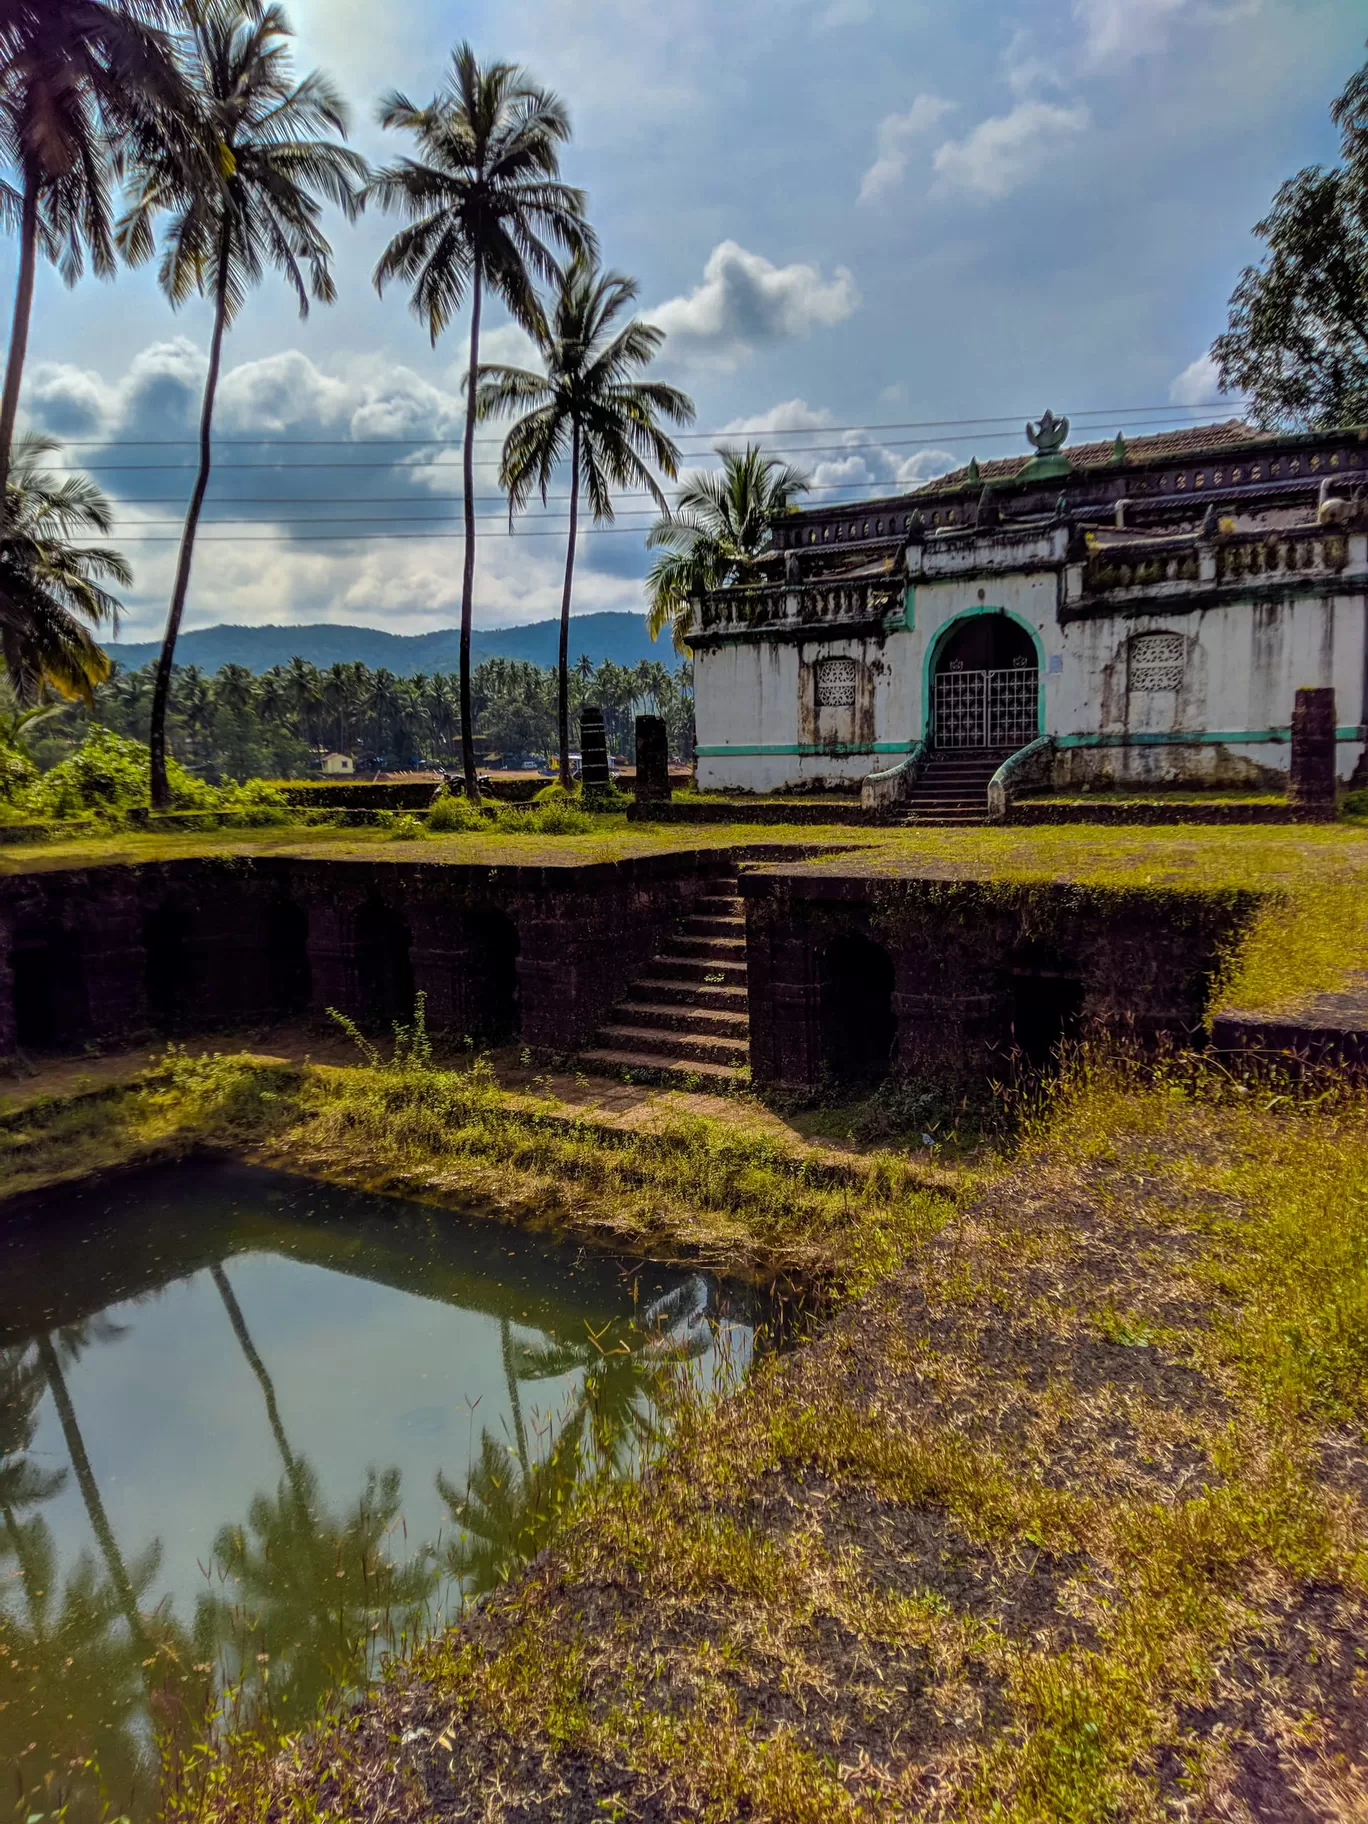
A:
(256, 1433)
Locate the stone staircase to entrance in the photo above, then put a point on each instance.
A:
(952, 787)
(687, 1016)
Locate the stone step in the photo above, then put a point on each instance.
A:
(733, 906)
(649, 1068)
(697, 969)
(726, 949)
(659, 1043)
(700, 926)
(722, 1023)
(690, 991)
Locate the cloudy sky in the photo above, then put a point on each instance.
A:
(877, 232)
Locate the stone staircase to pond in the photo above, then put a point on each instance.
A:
(686, 1018)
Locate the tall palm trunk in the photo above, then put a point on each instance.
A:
(161, 693)
(90, 1492)
(563, 705)
(472, 783)
(19, 334)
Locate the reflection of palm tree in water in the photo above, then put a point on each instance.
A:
(73, 1340)
(74, 1683)
(311, 1591)
(509, 1510)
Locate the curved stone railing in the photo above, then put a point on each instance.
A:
(887, 790)
(1029, 765)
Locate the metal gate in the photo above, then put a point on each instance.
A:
(987, 708)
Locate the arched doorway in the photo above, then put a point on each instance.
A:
(985, 684)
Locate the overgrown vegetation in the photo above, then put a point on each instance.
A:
(108, 776)
(693, 1188)
(1064, 1520)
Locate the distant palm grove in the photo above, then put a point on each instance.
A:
(234, 725)
(178, 132)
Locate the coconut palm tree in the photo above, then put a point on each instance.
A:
(719, 530)
(243, 192)
(589, 412)
(74, 75)
(483, 202)
(51, 588)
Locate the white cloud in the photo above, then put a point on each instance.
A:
(1125, 28)
(745, 302)
(1198, 384)
(915, 471)
(506, 346)
(792, 415)
(1003, 152)
(894, 140)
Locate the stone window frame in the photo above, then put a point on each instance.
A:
(836, 682)
(1156, 661)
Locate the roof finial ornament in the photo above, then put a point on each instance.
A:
(1118, 454)
(972, 473)
(1047, 437)
(1047, 440)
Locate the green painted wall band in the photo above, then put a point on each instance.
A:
(1199, 737)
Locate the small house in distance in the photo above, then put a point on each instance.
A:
(338, 766)
(1136, 613)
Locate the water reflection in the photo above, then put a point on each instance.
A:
(256, 1433)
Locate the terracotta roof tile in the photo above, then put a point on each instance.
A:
(1195, 440)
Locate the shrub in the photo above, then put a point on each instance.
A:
(451, 814)
(110, 775)
(408, 829)
(1355, 804)
(17, 773)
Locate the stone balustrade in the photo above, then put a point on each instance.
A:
(837, 602)
(1159, 569)
(1310, 550)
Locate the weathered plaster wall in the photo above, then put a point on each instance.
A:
(1226, 722)
(760, 727)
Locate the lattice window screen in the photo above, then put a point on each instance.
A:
(836, 683)
(1157, 660)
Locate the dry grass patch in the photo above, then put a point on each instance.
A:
(1064, 1519)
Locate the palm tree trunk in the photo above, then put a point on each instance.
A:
(90, 1492)
(563, 705)
(18, 348)
(161, 694)
(472, 783)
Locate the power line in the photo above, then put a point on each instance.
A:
(243, 468)
(966, 425)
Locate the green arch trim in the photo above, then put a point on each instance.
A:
(952, 626)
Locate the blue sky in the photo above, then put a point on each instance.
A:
(844, 213)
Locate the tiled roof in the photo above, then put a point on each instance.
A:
(1196, 440)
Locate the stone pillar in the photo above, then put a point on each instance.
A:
(1311, 780)
(652, 760)
(9, 1037)
(114, 965)
(333, 959)
(594, 775)
(446, 968)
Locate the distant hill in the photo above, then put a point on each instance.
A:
(620, 637)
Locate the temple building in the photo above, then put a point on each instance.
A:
(1137, 614)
